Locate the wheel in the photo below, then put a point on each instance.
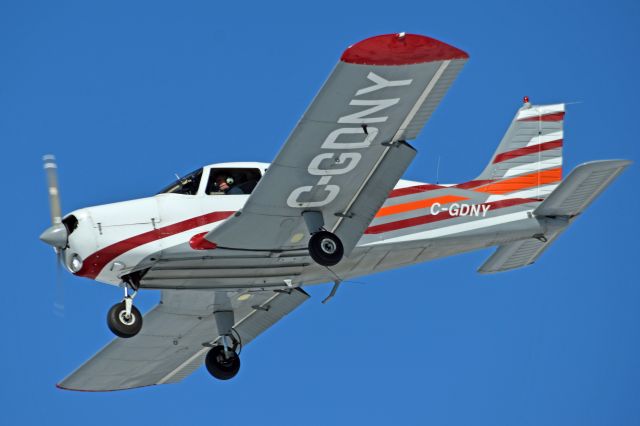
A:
(122, 326)
(325, 248)
(219, 366)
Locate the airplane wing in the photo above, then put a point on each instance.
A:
(348, 151)
(170, 346)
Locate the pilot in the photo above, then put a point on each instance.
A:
(225, 183)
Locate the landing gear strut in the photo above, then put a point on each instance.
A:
(223, 359)
(124, 319)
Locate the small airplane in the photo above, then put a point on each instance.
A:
(231, 245)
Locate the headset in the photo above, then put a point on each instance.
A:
(228, 180)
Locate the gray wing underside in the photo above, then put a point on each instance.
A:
(270, 211)
(516, 254)
(583, 185)
(170, 344)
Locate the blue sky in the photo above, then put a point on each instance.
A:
(128, 93)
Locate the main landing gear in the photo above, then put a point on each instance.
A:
(223, 359)
(124, 319)
(325, 248)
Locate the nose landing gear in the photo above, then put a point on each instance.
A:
(123, 319)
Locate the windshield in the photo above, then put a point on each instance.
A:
(187, 185)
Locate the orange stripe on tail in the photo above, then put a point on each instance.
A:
(518, 183)
(420, 204)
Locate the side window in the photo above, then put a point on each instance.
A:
(232, 181)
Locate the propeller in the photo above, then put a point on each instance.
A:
(56, 235)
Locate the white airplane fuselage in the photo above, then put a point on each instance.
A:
(162, 236)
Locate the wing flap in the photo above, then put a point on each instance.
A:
(170, 345)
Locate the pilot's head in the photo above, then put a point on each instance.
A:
(223, 181)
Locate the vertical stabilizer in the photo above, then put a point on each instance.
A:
(528, 161)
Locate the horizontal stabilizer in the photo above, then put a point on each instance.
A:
(569, 199)
(516, 254)
(581, 187)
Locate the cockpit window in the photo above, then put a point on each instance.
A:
(187, 185)
(232, 181)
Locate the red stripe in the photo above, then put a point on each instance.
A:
(473, 184)
(392, 49)
(527, 150)
(556, 116)
(430, 187)
(93, 264)
(421, 220)
(414, 190)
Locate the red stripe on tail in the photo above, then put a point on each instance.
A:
(527, 150)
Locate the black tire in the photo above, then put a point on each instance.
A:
(325, 248)
(219, 366)
(119, 325)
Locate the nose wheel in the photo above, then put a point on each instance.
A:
(124, 319)
(325, 248)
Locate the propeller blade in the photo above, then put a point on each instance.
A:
(58, 304)
(51, 169)
(56, 234)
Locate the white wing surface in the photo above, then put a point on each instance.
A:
(171, 345)
(348, 151)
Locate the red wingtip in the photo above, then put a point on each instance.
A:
(400, 49)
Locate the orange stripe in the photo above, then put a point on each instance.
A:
(420, 204)
(523, 182)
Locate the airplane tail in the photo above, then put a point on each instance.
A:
(558, 211)
(528, 161)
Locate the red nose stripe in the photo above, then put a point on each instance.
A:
(93, 264)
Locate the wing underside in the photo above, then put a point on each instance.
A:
(172, 343)
(349, 149)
